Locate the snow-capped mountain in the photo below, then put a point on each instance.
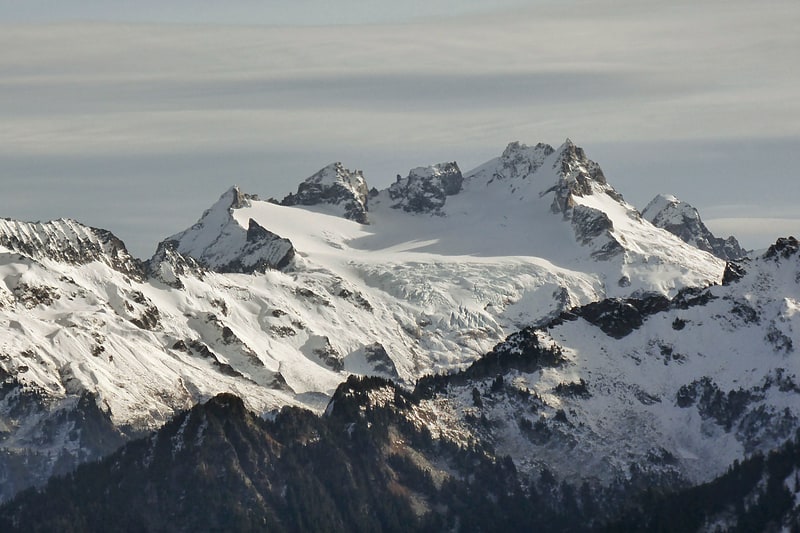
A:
(278, 304)
(683, 220)
(644, 391)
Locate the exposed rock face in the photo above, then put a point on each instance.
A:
(380, 360)
(168, 266)
(337, 186)
(578, 176)
(733, 272)
(426, 189)
(784, 247)
(70, 242)
(219, 243)
(683, 220)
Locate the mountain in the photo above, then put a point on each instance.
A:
(683, 220)
(218, 467)
(279, 304)
(363, 466)
(648, 391)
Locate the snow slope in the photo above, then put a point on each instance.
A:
(683, 220)
(648, 391)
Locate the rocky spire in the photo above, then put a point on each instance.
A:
(337, 186)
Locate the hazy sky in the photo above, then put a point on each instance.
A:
(136, 116)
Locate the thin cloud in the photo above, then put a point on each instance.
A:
(627, 77)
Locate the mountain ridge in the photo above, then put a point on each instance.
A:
(279, 304)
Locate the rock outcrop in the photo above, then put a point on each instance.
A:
(683, 220)
(426, 189)
(336, 186)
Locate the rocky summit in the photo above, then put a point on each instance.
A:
(334, 186)
(683, 220)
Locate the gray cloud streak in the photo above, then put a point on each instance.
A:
(697, 99)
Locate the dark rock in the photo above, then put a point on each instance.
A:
(319, 348)
(32, 295)
(334, 185)
(578, 176)
(784, 247)
(733, 273)
(377, 356)
(724, 408)
(590, 223)
(426, 189)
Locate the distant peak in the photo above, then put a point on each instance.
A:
(426, 189)
(337, 173)
(682, 220)
(218, 242)
(658, 204)
(337, 186)
(570, 150)
(784, 247)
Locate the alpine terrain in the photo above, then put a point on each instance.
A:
(511, 347)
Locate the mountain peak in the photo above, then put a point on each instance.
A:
(240, 199)
(426, 189)
(573, 164)
(220, 243)
(518, 161)
(334, 185)
(681, 219)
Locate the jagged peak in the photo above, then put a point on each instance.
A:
(516, 148)
(683, 220)
(426, 189)
(218, 242)
(784, 247)
(536, 153)
(334, 185)
(433, 171)
(233, 198)
(335, 175)
(572, 163)
(662, 202)
(68, 241)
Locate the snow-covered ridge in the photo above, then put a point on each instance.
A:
(218, 242)
(681, 219)
(651, 390)
(67, 241)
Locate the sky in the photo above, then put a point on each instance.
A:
(136, 117)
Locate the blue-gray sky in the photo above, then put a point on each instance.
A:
(136, 117)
